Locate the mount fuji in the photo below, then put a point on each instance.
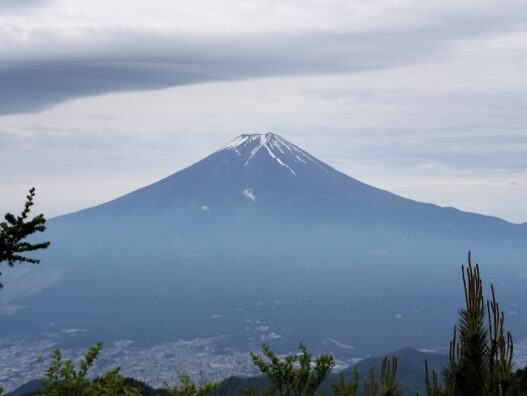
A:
(262, 242)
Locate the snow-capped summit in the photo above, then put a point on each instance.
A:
(258, 170)
(255, 170)
(286, 154)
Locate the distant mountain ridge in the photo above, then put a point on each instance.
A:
(264, 178)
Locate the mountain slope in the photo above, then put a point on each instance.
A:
(264, 179)
(269, 166)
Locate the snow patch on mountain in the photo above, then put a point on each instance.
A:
(277, 159)
(248, 192)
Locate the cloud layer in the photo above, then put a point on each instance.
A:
(63, 50)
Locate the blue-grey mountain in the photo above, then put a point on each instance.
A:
(262, 242)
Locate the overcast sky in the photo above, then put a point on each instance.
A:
(426, 99)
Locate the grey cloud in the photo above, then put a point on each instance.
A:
(132, 61)
(446, 148)
(474, 129)
(54, 139)
(19, 5)
(35, 86)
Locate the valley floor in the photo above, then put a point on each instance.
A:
(158, 364)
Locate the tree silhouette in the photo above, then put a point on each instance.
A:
(480, 350)
(15, 229)
(63, 379)
(295, 375)
(187, 387)
(386, 385)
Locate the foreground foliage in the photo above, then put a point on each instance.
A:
(187, 387)
(293, 375)
(518, 386)
(344, 387)
(386, 385)
(13, 232)
(15, 229)
(62, 378)
(480, 350)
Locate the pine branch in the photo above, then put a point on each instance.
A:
(15, 229)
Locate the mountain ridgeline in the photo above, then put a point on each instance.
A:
(262, 242)
(262, 192)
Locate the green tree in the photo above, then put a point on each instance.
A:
(294, 375)
(480, 350)
(343, 387)
(518, 386)
(187, 387)
(62, 378)
(386, 385)
(15, 229)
